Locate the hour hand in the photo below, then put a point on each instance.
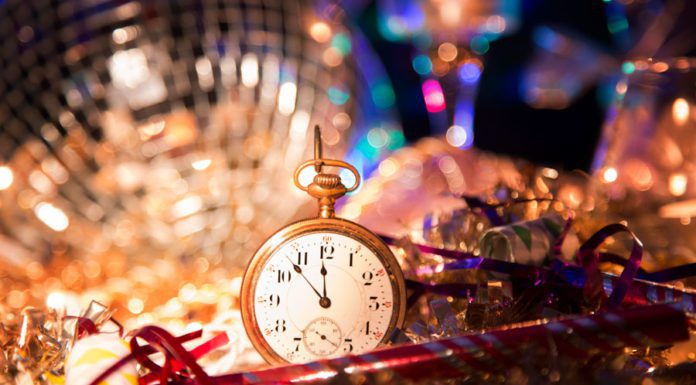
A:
(324, 301)
(323, 274)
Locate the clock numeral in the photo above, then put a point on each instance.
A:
(350, 260)
(284, 276)
(274, 300)
(326, 238)
(367, 276)
(267, 331)
(326, 251)
(378, 335)
(280, 326)
(302, 258)
(367, 328)
(298, 340)
(380, 272)
(387, 304)
(348, 347)
(373, 305)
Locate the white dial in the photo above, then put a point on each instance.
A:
(322, 295)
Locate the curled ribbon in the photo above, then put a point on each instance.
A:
(177, 358)
(587, 274)
(589, 259)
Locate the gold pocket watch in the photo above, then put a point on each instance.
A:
(322, 287)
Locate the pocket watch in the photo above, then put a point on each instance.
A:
(322, 287)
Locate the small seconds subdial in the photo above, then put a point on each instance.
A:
(323, 294)
(322, 336)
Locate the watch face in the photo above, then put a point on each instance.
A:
(322, 294)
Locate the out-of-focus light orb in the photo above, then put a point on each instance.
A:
(388, 167)
(56, 300)
(479, 44)
(628, 68)
(550, 173)
(342, 43)
(187, 293)
(338, 95)
(250, 70)
(677, 184)
(610, 175)
(447, 51)
(187, 206)
(422, 65)
(341, 121)
(299, 125)
(433, 95)
(451, 12)
(458, 136)
(469, 73)
(119, 35)
(639, 174)
(286, 98)
(621, 88)
(383, 94)
(495, 24)
(201, 164)
(680, 111)
(52, 216)
(660, 67)
(6, 177)
(136, 305)
(332, 57)
(320, 31)
(129, 68)
(377, 137)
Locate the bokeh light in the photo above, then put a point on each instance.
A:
(433, 95)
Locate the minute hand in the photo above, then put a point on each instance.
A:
(298, 270)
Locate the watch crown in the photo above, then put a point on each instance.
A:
(327, 181)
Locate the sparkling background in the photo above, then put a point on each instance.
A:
(162, 129)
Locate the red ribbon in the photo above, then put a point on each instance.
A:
(177, 358)
(491, 352)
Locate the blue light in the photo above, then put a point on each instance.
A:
(422, 65)
(338, 96)
(469, 73)
(398, 19)
(479, 44)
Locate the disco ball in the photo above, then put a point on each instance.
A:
(161, 129)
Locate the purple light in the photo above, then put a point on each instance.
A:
(469, 73)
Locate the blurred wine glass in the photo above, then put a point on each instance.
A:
(646, 159)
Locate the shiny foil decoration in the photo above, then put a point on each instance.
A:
(159, 129)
